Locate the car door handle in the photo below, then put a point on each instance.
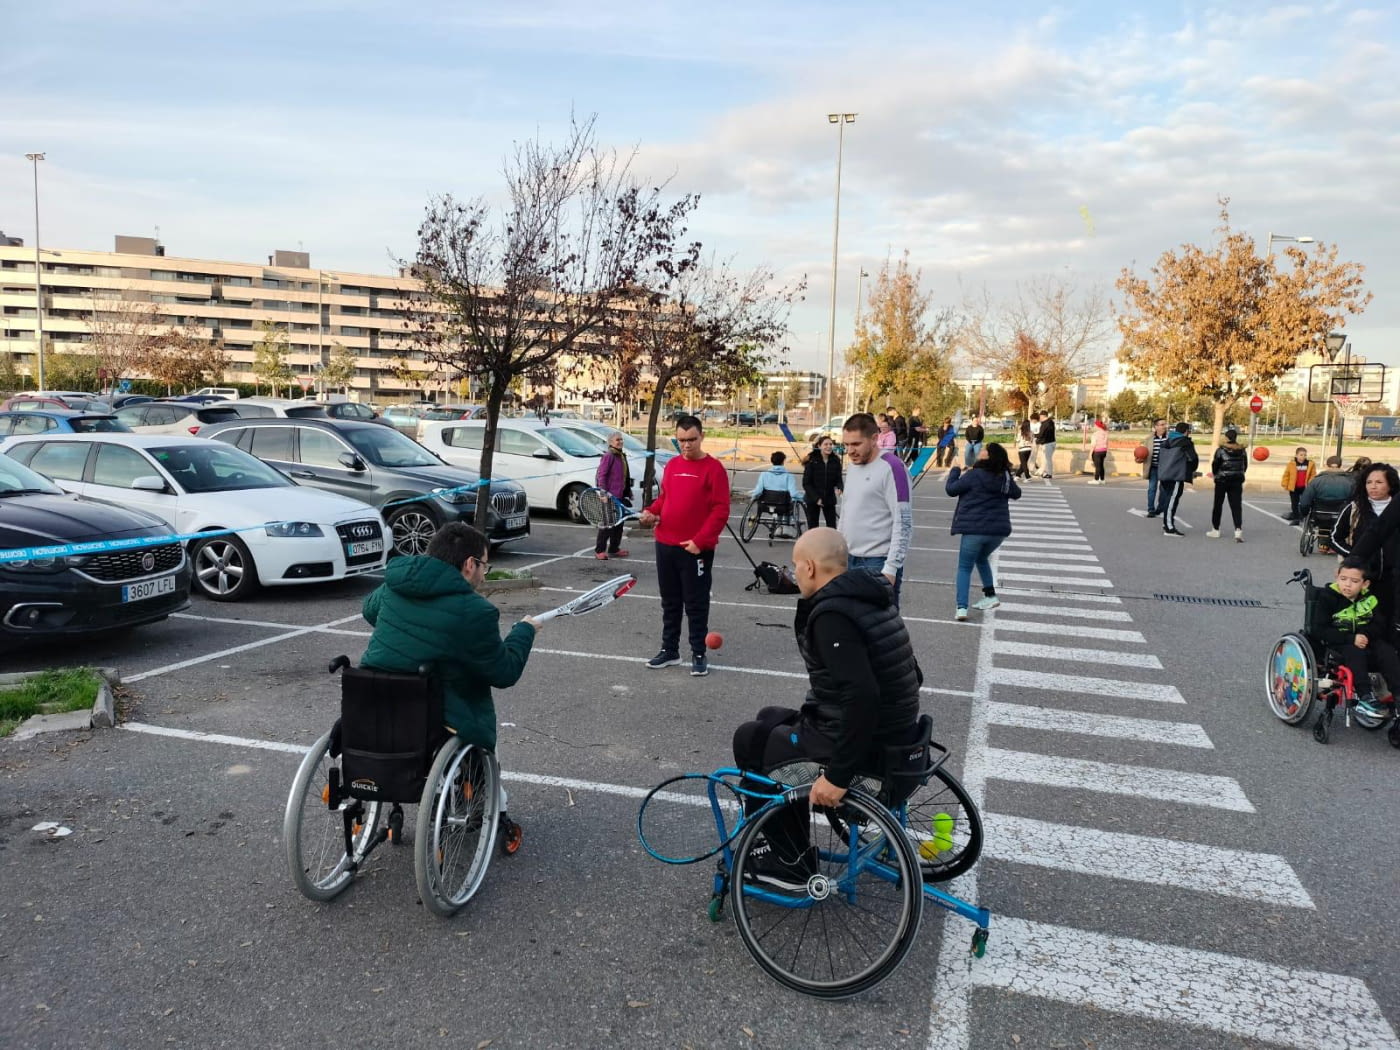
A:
(303, 474)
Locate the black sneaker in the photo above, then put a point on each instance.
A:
(664, 659)
(699, 667)
(772, 872)
(1153, 513)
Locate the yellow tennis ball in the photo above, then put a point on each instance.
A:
(942, 839)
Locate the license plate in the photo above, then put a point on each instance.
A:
(135, 592)
(516, 521)
(354, 550)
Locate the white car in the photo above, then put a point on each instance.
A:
(551, 462)
(598, 434)
(286, 533)
(831, 428)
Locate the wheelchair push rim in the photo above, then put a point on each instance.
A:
(944, 827)
(314, 833)
(858, 915)
(457, 822)
(1290, 679)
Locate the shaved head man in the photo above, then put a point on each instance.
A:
(863, 697)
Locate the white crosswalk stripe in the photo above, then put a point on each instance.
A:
(1094, 656)
(1057, 720)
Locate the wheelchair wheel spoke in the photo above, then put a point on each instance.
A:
(457, 822)
(314, 833)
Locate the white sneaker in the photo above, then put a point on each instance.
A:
(989, 602)
(961, 614)
(1214, 534)
(1239, 535)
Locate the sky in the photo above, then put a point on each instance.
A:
(995, 143)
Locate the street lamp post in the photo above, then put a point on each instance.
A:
(1300, 239)
(35, 158)
(851, 372)
(840, 120)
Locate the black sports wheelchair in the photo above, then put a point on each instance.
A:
(1317, 526)
(1302, 670)
(778, 512)
(390, 748)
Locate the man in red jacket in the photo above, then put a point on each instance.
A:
(688, 515)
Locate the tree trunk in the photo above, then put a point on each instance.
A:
(1220, 407)
(653, 423)
(494, 399)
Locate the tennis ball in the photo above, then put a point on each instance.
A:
(942, 839)
(714, 640)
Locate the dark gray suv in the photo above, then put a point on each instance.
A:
(379, 466)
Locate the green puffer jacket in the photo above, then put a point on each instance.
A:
(426, 613)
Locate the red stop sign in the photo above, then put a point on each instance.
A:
(1256, 404)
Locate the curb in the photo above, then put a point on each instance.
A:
(103, 714)
(490, 587)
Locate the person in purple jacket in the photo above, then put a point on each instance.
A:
(983, 519)
(615, 476)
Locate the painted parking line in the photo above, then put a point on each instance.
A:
(1263, 877)
(1084, 723)
(220, 654)
(1257, 1001)
(1045, 681)
(1104, 657)
(1077, 774)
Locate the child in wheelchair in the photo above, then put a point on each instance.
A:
(779, 491)
(1343, 616)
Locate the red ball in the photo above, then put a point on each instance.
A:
(1141, 453)
(1261, 453)
(714, 640)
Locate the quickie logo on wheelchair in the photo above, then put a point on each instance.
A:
(1290, 677)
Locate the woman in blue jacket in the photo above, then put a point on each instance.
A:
(983, 519)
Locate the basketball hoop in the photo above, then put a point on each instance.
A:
(1350, 407)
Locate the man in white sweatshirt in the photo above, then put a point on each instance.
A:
(876, 505)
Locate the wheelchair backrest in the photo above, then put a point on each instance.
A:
(390, 728)
(905, 766)
(772, 499)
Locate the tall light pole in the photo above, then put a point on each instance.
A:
(840, 120)
(35, 158)
(1301, 239)
(851, 376)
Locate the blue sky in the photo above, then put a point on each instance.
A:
(986, 132)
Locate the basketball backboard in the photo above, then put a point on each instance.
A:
(1363, 381)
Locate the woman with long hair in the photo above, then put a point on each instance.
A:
(1025, 445)
(821, 483)
(983, 520)
(1099, 450)
(1370, 528)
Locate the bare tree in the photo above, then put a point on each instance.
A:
(340, 369)
(270, 364)
(1225, 322)
(520, 291)
(123, 334)
(706, 328)
(1068, 329)
(185, 357)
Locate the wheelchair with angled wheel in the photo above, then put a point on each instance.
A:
(1302, 671)
(388, 749)
(857, 874)
(783, 517)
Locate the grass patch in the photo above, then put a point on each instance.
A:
(508, 574)
(50, 692)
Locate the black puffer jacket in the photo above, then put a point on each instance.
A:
(1230, 462)
(868, 602)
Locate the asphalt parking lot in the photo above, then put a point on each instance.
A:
(167, 917)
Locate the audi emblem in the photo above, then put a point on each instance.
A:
(148, 561)
(363, 531)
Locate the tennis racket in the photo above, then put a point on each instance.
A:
(601, 509)
(603, 594)
(689, 817)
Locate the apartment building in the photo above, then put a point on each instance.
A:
(316, 308)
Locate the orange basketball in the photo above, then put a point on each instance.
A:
(1141, 453)
(1261, 453)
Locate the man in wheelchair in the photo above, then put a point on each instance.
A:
(428, 612)
(863, 697)
(1346, 620)
(778, 493)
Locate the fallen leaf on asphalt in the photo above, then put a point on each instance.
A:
(483, 1044)
(1016, 1039)
(746, 1030)
(637, 1003)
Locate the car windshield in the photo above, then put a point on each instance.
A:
(388, 448)
(448, 412)
(600, 438)
(571, 442)
(98, 425)
(16, 479)
(216, 468)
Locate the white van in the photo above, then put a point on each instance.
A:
(217, 391)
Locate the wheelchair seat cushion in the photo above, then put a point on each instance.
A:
(390, 728)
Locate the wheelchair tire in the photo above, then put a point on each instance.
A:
(944, 827)
(748, 522)
(457, 822)
(1290, 679)
(314, 834)
(859, 913)
(1307, 542)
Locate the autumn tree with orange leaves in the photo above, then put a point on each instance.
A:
(1225, 323)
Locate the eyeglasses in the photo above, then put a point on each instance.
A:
(484, 564)
(686, 441)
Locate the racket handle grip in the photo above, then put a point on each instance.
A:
(544, 617)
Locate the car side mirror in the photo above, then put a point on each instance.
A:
(542, 453)
(150, 483)
(350, 461)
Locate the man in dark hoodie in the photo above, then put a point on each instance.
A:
(1176, 468)
(1228, 466)
(863, 695)
(428, 611)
